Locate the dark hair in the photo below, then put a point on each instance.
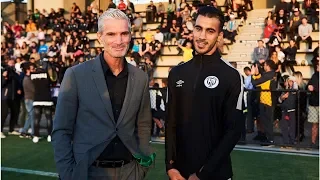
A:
(304, 17)
(271, 64)
(246, 69)
(260, 40)
(212, 12)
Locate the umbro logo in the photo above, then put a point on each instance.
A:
(179, 83)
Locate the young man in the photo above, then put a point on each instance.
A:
(304, 32)
(202, 130)
(102, 123)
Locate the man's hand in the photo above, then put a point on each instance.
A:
(175, 175)
(193, 177)
(5, 74)
(285, 96)
(19, 92)
(310, 88)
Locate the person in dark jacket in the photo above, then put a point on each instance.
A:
(313, 111)
(288, 107)
(11, 91)
(205, 97)
(290, 59)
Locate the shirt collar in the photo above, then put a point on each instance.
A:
(106, 68)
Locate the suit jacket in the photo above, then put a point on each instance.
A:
(257, 55)
(84, 124)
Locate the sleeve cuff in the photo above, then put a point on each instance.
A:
(169, 166)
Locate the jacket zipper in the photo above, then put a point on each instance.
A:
(197, 77)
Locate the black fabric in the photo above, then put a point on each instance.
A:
(41, 81)
(117, 86)
(38, 110)
(14, 106)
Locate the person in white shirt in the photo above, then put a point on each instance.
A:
(305, 30)
(41, 35)
(159, 35)
(281, 55)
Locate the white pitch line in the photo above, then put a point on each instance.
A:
(27, 171)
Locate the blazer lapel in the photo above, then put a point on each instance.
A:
(130, 87)
(98, 77)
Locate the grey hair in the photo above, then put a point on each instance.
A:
(112, 13)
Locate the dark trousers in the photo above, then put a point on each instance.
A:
(250, 120)
(266, 118)
(14, 106)
(38, 110)
(289, 64)
(309, 40)
(288, 127)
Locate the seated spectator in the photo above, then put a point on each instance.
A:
(175, 30)
(159, 36)
(274, 41)
(242, 12)
(260, 53)
(43, 49)
(164, 29)
(231, 31)
(282, 5)
(74, 25)
(280, 54)
(45, 13)
(10, 51)
(17, 66)
(17, 51)
(31, 27)
(187, 51)
(155, 49)
(17, 28)
(315, 59)
(290, 59)
(36, 15)
(112, 5)
(33, 45)
(83, 27)
(7, 29)
(148, 35)
(281, 22)
(314, 14)
(56, 26)
(184, 35)
(42, 22)
(33, 38)
(305, 31)
(185, 14)
(269, 17)
(295, 21)
(144, 48)
(189, 24)
(151, 12)
(268, 30)
(182, 5)
(193, 13)
(35, 55)
(274, 58)
(132, 61)
(130, 15)
(9, 38)
(137, 25)
(86, 52)
(122, 6)
(53, 49)
(24, 50)
(130, 6)
(41, 35)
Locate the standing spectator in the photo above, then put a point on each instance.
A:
(151, 12)
(295, 21)
(251, 97)
(160, 12)
(288, 107)
(266, 82)
(28, 89)
(305, 31)
(11, 91)
(290, 59)
(42, 102)
(313, 110)
(260, 53)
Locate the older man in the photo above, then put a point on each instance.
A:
(102, 124)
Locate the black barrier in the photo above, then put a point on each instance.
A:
(285, 118)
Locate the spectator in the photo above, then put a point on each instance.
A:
(314, 13)
(305, 31)
(193, 13)
(274, 41)
(56, 26)
(35, 55)
(17, 51)
(231, 31)
(171, 8)
(137, 25)
(260, 53)
(155, 49)
(160, 12)
(175, 30)
(282, 5)
(151, 12)
(42, 22)
(250, 100)
(53, 50)
(30, 16)
(164, 29)
(313, 108)
(31, 27)
(187, 51)
(74, 25)
(130, 6)
(268, 30)
(274, 58)
(295, 21)
(24, 50)
(148, 35)
(280, 54)
(122, 6)
(17, 65)
(43, 49)
(75, 9)
(130, 15)
(45, 13)
(315, 59)
(288, 107)
(159, 36)
(269, 17)
(281, 22)
(144, 48)
(28, 89)
(36, 15)
(33, 38)
(41, 35)
(290, 59)
(11, 91)
(132, 61)
(185, 14)
(86, 52)
(83, 27)
(266, 82)
(16, 28)
(10, 51)
(293, 4)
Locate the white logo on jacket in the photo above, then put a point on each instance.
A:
(179, 83)
(211, 82)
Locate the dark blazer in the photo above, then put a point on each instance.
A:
(84, 124)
